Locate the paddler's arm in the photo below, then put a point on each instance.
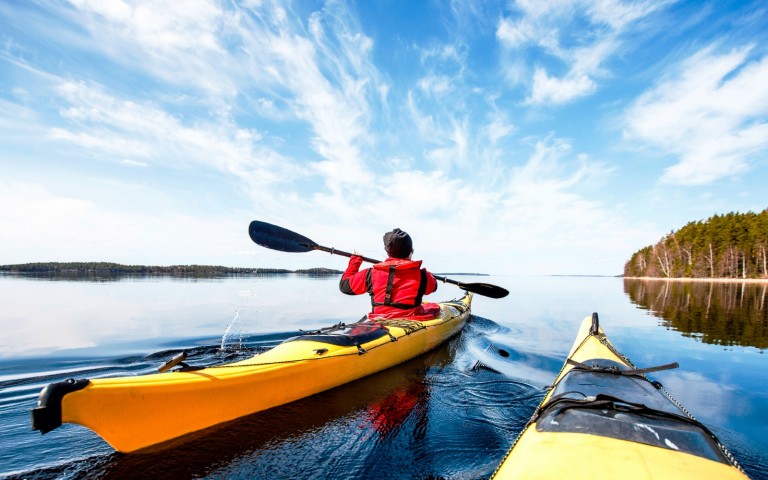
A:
(431, 284)
(353, 281)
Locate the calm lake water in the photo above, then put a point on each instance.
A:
(445, 416)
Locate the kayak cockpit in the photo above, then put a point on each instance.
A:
(345, 335)
(606, 398)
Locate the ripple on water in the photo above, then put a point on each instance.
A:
(433, 417)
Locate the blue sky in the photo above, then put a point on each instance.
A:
(510, 137)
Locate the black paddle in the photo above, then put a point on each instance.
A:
(279, 238)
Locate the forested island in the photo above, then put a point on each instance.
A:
(734, 245)
(109, 269)
(114, 269)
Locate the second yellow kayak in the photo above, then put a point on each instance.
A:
(132, 413)
(605, 419)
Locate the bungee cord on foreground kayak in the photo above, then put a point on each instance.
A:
(322, 335)
(603, 417)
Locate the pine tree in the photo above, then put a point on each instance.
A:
(734, 245)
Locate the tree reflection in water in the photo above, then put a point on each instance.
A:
(719, 313)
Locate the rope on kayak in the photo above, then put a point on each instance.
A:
(332, 328)
(409, 326)
(604, 340)
(594, 331)
(601, 401)
(536, 413)
(359, 352)
(617, 371)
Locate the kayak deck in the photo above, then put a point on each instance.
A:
(133, 413)
(604, 418)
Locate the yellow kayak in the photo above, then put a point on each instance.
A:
(132, 413)
(605, 419)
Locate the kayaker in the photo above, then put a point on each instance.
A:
(396, 285)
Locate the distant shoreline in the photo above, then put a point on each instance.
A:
(107, 268)
(711, 280)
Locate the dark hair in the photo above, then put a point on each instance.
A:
(398, 244)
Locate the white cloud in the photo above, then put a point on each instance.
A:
(553, 28)
(109, 127)
(542, 204)
(40, 224)
(498, 128)
(453, 149)
(133, 163)
(514, 34)
(619, 14)
(324, 75)
(316, 70)
(711, 113)
(176, 41)
(445, 134)
(537, 205)
(555, 90)
(286, 108)
(434, 85)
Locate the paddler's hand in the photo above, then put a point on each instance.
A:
(354, 264)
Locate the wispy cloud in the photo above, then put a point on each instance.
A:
(214, 113)
(575, 39)
(541, 202)
(323, 73)
(113, 128)
(45, 225)
(711, 113)
(316, 70)
(170, 41)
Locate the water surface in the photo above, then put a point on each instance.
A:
(450, 414)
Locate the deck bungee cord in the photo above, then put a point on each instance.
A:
(408, 326)
(602, 406)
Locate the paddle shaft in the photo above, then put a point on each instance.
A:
(279, 238)
(334, 251)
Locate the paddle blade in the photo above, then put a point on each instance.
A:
(485, 289)
(279, 238)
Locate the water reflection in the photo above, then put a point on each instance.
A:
(718, 313)
(141, 314)
(448, 419)
(395, 417)
(118, 276)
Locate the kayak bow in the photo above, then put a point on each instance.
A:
(132, 413)
(603, 418)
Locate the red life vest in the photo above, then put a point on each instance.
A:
(396, 285)
(397, 282)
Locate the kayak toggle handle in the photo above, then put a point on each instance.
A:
(177, 360)
(47, 415)
(595, 329)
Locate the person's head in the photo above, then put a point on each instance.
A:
(398, 244)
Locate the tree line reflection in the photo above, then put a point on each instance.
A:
(719, 313)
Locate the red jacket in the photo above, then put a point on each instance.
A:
(396, 285)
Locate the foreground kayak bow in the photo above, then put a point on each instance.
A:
(604, 419)
(132, 413)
